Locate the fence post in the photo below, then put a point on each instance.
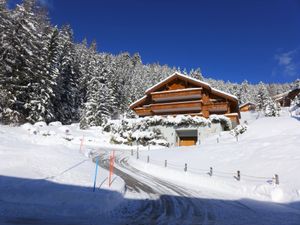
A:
(137, 154)
(148, 147)
(210, 171)
(148, 159)
(131, 152)
(218, 140)
(238, 175)
(276, 179)
(185, 167)
(237, 138)
(166, 163)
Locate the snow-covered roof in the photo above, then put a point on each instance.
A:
(173, 75)
(185, 77)
(247, 103)
(284, 94)
(138, 101)
(224, 93)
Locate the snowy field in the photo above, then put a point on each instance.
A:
(46, 178)
(270, 146)
(43, 174)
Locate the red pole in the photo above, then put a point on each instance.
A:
(113, 163)
(81, 143)
(111, 167)
(110, 171)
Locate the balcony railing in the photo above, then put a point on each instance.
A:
(177, 95)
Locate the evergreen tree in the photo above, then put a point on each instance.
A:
(271, 108)
(196, 74)
(261, 96)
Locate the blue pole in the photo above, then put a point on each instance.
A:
(96, 171)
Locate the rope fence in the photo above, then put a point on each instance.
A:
(238, 175)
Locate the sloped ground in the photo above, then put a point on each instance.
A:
(270, 146)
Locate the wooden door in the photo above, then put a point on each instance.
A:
(187, 141)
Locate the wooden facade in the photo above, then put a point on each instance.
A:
(248, 106)
(180, 94)
(286, 98)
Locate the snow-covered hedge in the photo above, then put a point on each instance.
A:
(240, 129)
(225, 121)
(145, 130)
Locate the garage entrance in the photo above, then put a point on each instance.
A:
(187, 137)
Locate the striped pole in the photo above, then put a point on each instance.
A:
(96, 171)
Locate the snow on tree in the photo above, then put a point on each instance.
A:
(46, 76)
(196, 74)
(271, 108)
(66, 101)
(261, 96)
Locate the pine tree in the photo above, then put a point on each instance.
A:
(261, 96)
(67, 95)
(22, 61)
(196, 74)
(271, 108)
(9, 112)
(244, 92)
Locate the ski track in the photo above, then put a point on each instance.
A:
(168, 203)
(156, 201)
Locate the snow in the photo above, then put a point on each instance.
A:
(224, 93)
(43, 175)
(269, 146)
(174, 74)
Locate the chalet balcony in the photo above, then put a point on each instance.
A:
(177, 107)
(143, 111)
(220, 107)
(177, 95)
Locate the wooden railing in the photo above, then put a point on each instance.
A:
(185, 94)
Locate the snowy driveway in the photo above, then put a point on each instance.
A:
(151, 200)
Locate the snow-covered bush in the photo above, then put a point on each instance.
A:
(225, 121)
(271, 108)
(55, 124)
(146, 130)
(240, 129)
(40, 124)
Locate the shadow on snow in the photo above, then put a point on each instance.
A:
(33, 201)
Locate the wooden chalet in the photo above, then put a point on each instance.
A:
(286, 98)
(248, 106)
(180, 94)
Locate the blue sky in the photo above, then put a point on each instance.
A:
(257, 40)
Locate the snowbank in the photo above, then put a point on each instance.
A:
(47, 176)
(269, 146)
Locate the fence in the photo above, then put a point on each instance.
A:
(238, 176)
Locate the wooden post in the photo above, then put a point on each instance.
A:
(137, 154)
(237, 138)
(131, 152)
(218, 140)
(276, 179)
(238, 175)
(210, 171)
(166, 163)
(185, 167)
(148, 159)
